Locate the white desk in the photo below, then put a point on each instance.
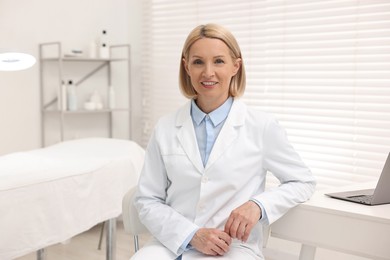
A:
(337, 225)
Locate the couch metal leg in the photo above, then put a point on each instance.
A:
(101, 236)
(111, 239)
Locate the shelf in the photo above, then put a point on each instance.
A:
(51, 82)
(83, 111)
(82, 59)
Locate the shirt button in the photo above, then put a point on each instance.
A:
(205, 179)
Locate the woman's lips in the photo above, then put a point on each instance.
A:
(209, 84)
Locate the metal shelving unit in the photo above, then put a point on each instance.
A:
(56, 60)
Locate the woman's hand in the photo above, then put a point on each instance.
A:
(211, 241)
(241, 221)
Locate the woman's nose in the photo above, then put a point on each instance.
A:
(208, 71)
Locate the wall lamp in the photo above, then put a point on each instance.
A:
(13, 61)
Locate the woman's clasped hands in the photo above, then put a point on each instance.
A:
(212, 241)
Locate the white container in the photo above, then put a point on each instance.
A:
(59, 98)
(104, 51)
(102, 43)
(103, 37)
(89, 106)
(63, 101)
(111, 97)
(72, 96)
(97, 100)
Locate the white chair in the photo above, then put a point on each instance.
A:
(131, 221)
(133, 225)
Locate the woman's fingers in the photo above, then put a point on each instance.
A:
(211, 241)
(242, 220)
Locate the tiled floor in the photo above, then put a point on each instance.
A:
(84, 247)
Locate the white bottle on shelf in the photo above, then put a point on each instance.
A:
(104, 50)
(59, 98)
(72, 96)
(111, 97)
(63, 101)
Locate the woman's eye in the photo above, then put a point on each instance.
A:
(219, 61)
(197, 62)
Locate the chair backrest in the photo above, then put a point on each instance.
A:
(131, 221)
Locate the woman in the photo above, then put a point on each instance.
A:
(201, 192)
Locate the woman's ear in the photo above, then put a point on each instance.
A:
(237, 65)
(185, 64)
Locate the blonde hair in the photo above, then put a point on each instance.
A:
(214, 31)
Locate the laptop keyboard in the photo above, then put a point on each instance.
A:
(365, 199)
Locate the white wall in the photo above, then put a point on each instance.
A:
(24, 24)
(135, 32)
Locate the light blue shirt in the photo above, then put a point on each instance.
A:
(207, 128)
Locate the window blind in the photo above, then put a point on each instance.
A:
(321, 67)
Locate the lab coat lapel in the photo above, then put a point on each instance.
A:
(229, 131)
(187, 138)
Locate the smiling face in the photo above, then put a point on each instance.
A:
(211, 68)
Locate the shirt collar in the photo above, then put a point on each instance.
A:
(216, 116)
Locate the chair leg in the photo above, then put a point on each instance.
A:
(41, 254)
(101, 235)
(136, 244)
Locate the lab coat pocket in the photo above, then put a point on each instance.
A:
(176, 162)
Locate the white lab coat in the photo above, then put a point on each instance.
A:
(177, 194)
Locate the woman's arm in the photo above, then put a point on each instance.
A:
(297, 182)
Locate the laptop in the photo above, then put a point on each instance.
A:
(377, 196)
